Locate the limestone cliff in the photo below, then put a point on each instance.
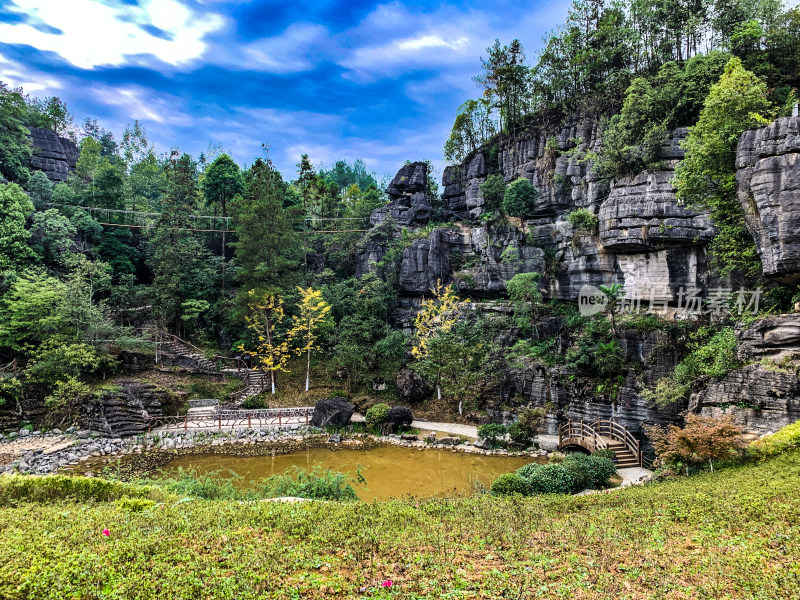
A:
(645, 240)
(56, 156)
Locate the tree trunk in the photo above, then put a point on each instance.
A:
(438, 392)
(308, 369)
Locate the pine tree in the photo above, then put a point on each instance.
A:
(268, 248)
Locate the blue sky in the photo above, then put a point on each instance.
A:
(378, 81)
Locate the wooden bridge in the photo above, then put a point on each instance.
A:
(603, 434)
(211, 419)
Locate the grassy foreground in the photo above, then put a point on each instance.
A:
(731, 534)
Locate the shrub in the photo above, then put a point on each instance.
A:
(702, 439)
(135, 504)
(377, 414)
(493, 190)
(520, 198)
(510, 483)
(589, 471)
(400, 417)
(56, 488)
(519, 435)
(782, 440)
(316, 484)
(527, 470)
(606, 453)
(551, 479)
(492, 433)
(578, 466)
(583, 221)
(207, 486)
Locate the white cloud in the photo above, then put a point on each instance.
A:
(295, 50)
(430, 41)
(141, 103)
(33, 82)
(91, 34)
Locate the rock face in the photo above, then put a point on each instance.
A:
(768, 187)
(760, 398)
(645, 240)
(56, 156)
(775, 338)
(408, 201)
(332, 411)
(411, 387)
(125, 412)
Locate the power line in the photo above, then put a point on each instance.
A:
(97, 212)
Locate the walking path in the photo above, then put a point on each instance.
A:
(547, 442)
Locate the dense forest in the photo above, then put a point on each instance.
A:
(239, 260)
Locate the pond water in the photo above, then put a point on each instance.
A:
(390, 471)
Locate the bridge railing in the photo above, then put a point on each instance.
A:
(612, 429)
(592, 436)
(578, 432)
(235, 418)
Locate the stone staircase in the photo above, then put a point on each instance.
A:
(183, 350)
(255, 381)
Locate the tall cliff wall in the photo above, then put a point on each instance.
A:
(645, 240)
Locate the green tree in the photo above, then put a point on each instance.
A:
(520, 198)
(523, 289)
(474, 126)
(174, 251)
(706, 177)
(40, 188)
(15, 147)
(221, 184)
(613, 294)
(30, 310)
(493, 191)
(505, 82)
(14, 210)
(268, 248)
(53, 237)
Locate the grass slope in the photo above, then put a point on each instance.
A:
(730, 534)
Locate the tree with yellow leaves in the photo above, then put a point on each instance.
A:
(306, 326)
(437, 316)
(265, 315)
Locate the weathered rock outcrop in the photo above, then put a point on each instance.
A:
(56, 156)
(641, 213)
(646, 240)
(768, 187)
(124, 412)
(775, 338)
(408, 200)
(761, 399)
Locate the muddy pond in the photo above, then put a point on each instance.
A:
(389, 471)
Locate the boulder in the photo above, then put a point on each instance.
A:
(411, 387)
(399, 417)
(332, 411)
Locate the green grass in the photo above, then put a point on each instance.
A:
(730, 534)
